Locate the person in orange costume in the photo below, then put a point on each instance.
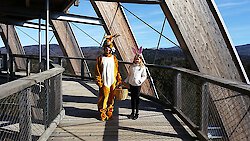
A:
(107, 78)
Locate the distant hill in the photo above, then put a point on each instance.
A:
(34, 50)
(243, 50)
(55, 50)
(173, 53)
(166, 56)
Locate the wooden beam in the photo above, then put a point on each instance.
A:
(32, 25)
(75, 18)
(10, 21)
(55, 16)
(11, 39)
(199, 35)
(19, 12)
(200, 32)
(172, 21)
(226, 36)
(134, 1)
(69, 45)
(68, 4)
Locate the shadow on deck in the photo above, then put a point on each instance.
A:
(81, 121)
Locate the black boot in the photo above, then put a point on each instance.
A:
(135, 116)
(131, 116)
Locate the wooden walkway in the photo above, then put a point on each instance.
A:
(81, 121)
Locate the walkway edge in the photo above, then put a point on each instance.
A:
(52, 127)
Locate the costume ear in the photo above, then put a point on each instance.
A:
(134, 50)
(116, 35)
(140, 50)
(108, 37)
(112, 37)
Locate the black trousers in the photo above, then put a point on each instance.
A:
(135, 93)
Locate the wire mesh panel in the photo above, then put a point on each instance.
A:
(191, 98)
(21, 116)
(54, 98)
(91, 66)
(217, 111)
(216, 130)
(25, 115)
(229, 117)
(164, 83)
(35, 66)
(9, 118)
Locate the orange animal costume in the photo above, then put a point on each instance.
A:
(107, 78)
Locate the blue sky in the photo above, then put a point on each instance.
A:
(235, 13)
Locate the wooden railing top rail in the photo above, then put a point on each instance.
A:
(37, 57)
(226, 83)
(18, 85)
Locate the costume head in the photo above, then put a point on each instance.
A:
(138, 56)
(108, 44)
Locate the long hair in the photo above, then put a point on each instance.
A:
(141, 64)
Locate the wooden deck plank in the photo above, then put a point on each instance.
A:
(81, 121)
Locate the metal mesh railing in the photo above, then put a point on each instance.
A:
(9, 118)
(191, 98)
(220, 113)
(229, 117)
(163, 81)
(214, 108)
(22, 116)
(25, 114)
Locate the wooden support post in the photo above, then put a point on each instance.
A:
(28, 67)
(60, 61)
(46, 104)
(5, 62)
(82, 69)
(25, 115)
(43, 64)
(177, 91)
(12, 67)
(204, 108)
(1, 63)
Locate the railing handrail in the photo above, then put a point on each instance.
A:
(18, 85)
(230, 84)
(37, 57)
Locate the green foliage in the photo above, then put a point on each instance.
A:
(164, 79)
